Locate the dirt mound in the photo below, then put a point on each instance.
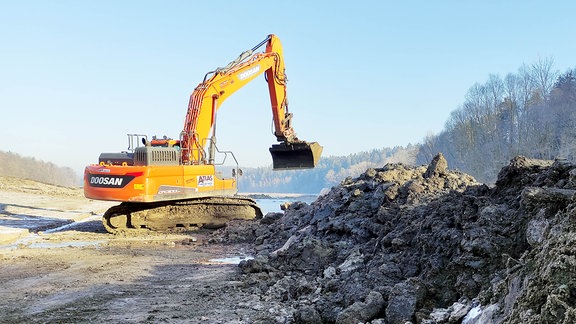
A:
(421, 244)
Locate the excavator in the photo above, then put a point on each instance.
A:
(167, 185)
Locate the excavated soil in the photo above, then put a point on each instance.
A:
(397, 244)
(402, 244)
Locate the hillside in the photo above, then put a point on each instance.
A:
(15, 165)
(531, 113)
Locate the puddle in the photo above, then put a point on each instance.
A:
(35, 240)
(230, 260)
(73, 224)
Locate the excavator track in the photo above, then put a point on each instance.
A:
(179, 215)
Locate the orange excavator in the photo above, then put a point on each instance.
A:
(168, 185)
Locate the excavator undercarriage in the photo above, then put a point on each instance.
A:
(180, 215)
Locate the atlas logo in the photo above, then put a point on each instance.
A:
(205, 180)
(109, 182)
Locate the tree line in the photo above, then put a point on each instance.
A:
(15, 165)
(531, 112)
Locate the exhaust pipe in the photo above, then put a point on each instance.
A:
(293, 156)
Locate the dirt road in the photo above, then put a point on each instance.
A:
(74, 272)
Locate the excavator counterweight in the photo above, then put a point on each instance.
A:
(294, 156)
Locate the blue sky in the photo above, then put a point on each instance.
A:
(77, 76)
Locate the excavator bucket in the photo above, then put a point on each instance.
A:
(291, 156)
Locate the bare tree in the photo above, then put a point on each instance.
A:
(544, 76)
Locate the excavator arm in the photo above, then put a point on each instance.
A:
(221, 83)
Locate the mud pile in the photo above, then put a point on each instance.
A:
(423, 245)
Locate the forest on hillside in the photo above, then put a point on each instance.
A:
(15, 165)
(531, 112)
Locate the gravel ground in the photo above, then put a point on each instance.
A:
(59, 265)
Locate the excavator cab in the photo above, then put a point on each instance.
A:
(293, 156)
